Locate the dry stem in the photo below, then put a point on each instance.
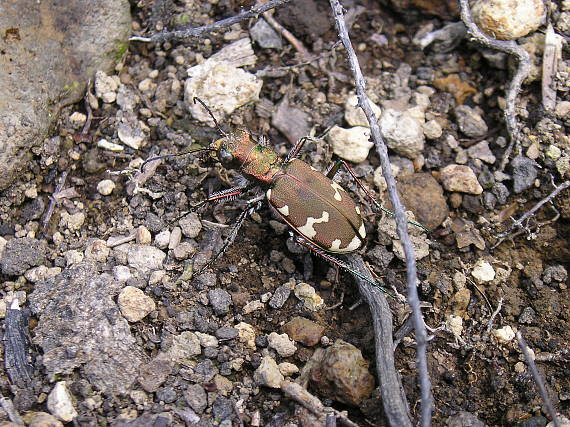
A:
(523, 69)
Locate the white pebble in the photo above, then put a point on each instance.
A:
(105, 187)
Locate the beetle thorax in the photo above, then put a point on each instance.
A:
(239, 151)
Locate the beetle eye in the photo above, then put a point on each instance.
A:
(225, 156)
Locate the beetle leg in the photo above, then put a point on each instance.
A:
(338, 262)
(332, 172)
(252, 206)
(297, 148)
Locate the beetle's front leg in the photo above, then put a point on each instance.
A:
(297, 148)
(252, 206)
(336, 261)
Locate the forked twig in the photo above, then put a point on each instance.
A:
(523, 69)
(401, 221)
(537, 378)
(518, 223)
(194, 32)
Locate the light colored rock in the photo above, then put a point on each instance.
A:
(470, 121)
(72, 222)
(182, 349)
(207, 340)
(73, 257)
(106, 86)
(130, 133)
(97, 250)
(350, 144)
(432, 129)
(282, 344)
(60, 403)
(287, 369)
(134, 304)
(483, 271)
(222, 87)
(246, 334)
(110, 146)
(268, 374)
(121, 273)
(454, 324)
(144, 257)
(252, 306)
(508, 19)
(482, 152)
(77, 119)
(460, 178)
(105, 187)
(403, 133)
(354, 115)
(143, 236)
(505, 334)
(309, 296)
(162, 239)
(190, 225)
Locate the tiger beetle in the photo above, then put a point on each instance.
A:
(323, 216)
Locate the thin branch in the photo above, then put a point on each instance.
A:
(518, 223)
(401, 221)
(300, 395)
(12, 413)
(393, 395)
(53, 200)
(194, 32)
(523, 69)
(495, 313)
(295, 42)
(537, 378)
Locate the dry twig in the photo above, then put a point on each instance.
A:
(393, 395)
(195, 32)
(523, 69)
(299, 394)
(401, 221)
(537, 378)
(54, 200)
(519, 223)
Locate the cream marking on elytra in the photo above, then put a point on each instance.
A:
(268, 194)
(308, 230)
(357, 209)
(335, 245)
(362, 231)
(312, 168)
(337, 189)
(353, 245)
(284, 210)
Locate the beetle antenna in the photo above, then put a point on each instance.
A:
(211, 115)
(169, 156)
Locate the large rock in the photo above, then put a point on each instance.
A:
(48, 52)
(80, 326)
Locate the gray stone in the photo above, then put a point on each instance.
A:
(464, 419)
(144, 257)
(280, 296)
(226, 333)
(190, 225)
(470, 122)
(80, 327)
(196, 397)
(54, 49)
(265, 36)
(524, 171)
(21, 254)
(220, 300)
(403, 132)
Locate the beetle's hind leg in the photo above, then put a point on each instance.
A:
(334, 169)
(252, 206)
(336, 261)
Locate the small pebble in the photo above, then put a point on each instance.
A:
(162, 239)
(105, 187)
(268, 374)
(504, 334)
(253, 306)
(134, 304)
(309, 296)
(350, 144)
(483, 271)
(60, 403)
(403, 132)
(175, 237)
(143, 236)
(220, 300)
(287, 369)
(460, 178)
(470, 122)
(354, 115)
(432, 129)
(282, 344)
(246, 334)
(190, 225)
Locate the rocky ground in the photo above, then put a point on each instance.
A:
(122, 330)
